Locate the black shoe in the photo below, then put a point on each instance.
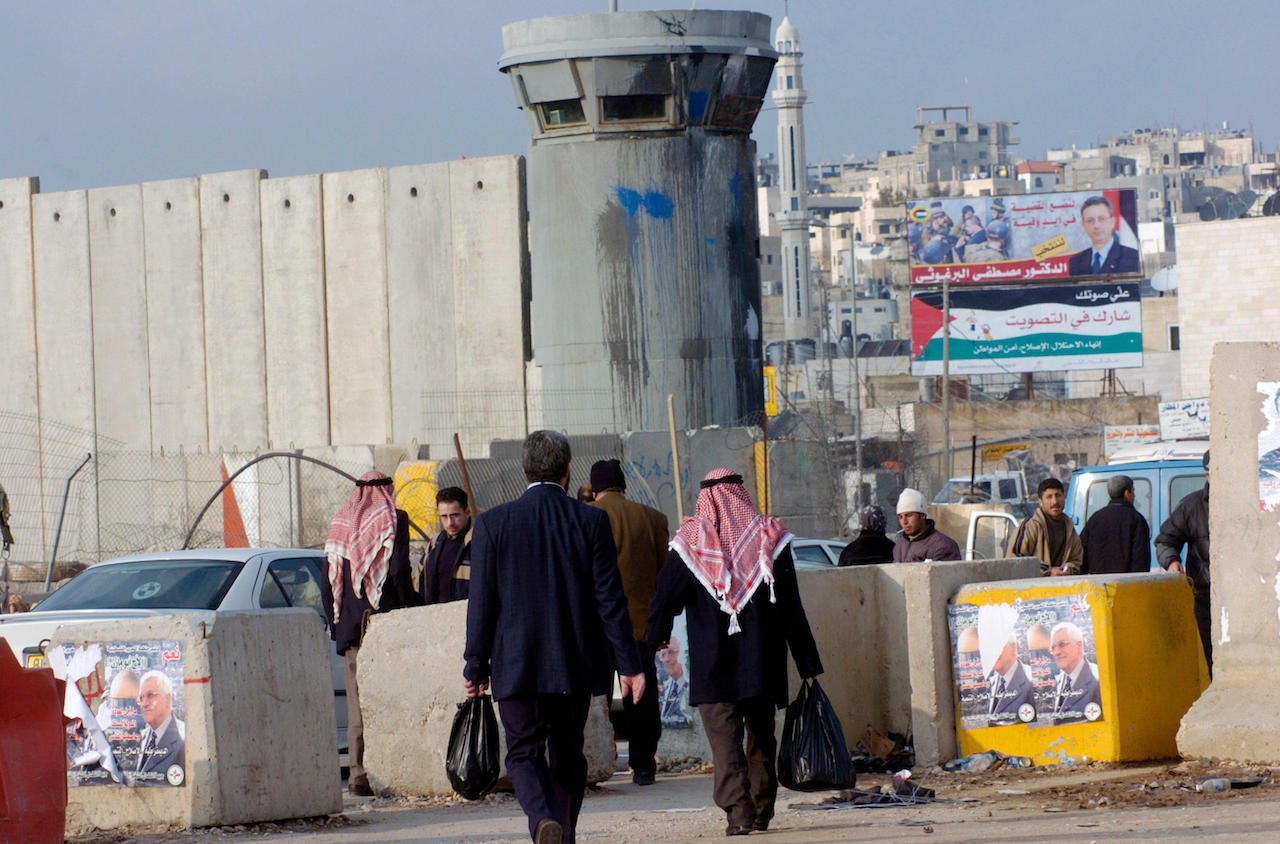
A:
(738, 829)
(760, 825)
(548, 831)
(643, 777)
(359, 788)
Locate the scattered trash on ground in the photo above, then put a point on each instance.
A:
(989, 761)
(878, 753)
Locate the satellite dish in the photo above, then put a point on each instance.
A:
(1214, 203)
(1165, 279)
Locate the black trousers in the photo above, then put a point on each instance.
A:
(544, 756)
(746, 780)
(1204, 622)
(644, 719)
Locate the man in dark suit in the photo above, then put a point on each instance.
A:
(640, 533)
(1013, 694)
(1105, 255)
(1076, 696)
(163, 740)
(546, 621)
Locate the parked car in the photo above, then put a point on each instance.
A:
(204, 581)
(817, 553)
(983, 489)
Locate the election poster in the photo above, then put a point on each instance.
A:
(127, 712)
(1032, 237)
(1269, 447)
(1032, 663)
(1028, 329)
(673, 678)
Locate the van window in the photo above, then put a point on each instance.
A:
(1182, 486)
(1008, 489)
(1098, 498)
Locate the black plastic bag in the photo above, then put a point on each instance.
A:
(813, 755)
(472, 764)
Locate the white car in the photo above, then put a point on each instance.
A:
(206, 581)
(817, 553)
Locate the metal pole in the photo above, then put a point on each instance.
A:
(57, 534)
(946, 379)
(857, 379)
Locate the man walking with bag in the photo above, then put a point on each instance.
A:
(546, 621)
(739, 634)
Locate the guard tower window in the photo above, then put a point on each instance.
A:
(562, 113)
(633, 107)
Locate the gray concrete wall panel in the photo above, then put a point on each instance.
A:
(64, 338)
(803, 487)
(420, 303)
(293, 298)
(117, 271)
(19, 398)
(235, 346)
(1238, 716)
(175, 315)
(619, 230)
(245, 676)
(355, 258)
(650, 471)
(488, 249)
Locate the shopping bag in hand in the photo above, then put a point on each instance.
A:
(813, 755)
(472, 763)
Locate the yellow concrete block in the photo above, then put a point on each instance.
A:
(1025, 654)
(415, 493)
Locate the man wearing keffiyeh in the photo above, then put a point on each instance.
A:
(730, 568)
(367, 553)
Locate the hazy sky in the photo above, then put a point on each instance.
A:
(117, 92)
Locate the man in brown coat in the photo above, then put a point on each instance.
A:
(640, 533)
(1049, 534)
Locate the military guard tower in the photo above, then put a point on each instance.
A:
(642, 213)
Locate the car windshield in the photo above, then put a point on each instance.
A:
(959, 491)
(147, 585)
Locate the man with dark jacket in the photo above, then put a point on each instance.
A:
(920, 540)
(1188, 525)
(364, 578)
(546, 622)
(1117, 538)
(730, 569)
(447, 575)
(871, 546)
(640, 533)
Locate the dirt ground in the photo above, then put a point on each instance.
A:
(1089, 803)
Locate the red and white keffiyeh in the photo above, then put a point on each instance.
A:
(728, 545)
(362, 532)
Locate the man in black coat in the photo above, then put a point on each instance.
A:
(546, 621)
(1188, 525)
(364, 578)
(1117, 538)
(872, 545)
(731, 570)
(447, 574)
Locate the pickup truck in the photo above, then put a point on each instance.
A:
(1163, 474)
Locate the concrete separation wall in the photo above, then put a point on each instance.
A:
(410, 686)
(1238, 717)
(261, 741)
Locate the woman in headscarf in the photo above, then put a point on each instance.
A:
(367, 552)
(731, 569)
(872, 544)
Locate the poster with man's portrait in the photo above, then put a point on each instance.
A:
(1032, 663)
(673, 679)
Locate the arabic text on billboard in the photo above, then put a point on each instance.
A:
(1035, 237)
(1187, 419)
(1028, 329)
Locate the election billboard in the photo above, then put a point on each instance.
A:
(1028, 329)
(1031, 237)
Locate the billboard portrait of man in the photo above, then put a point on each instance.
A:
(1106, 255)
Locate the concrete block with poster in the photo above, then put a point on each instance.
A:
(1071, 668)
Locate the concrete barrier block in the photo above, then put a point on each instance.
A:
(256, 698)
(1144, 666)
(410, 675)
